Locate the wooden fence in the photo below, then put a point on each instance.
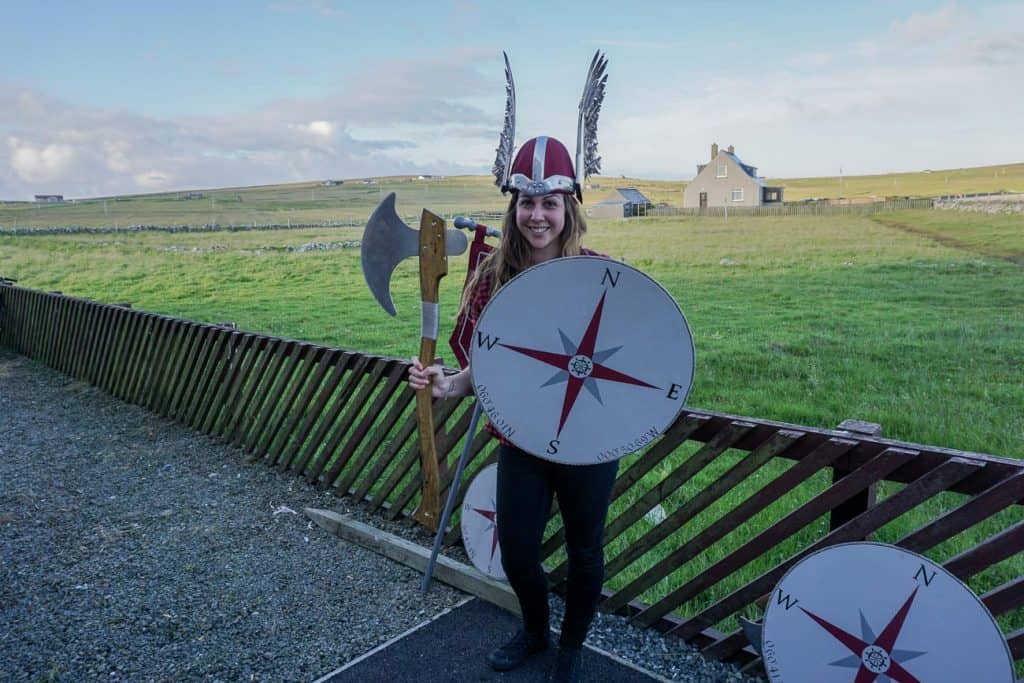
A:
(733, 493)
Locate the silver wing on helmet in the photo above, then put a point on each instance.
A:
(506, 144)
(587, 161)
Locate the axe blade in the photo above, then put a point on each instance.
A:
(387, 241)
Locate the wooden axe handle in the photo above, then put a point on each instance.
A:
(433, 267)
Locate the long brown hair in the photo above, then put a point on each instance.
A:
(512, 255)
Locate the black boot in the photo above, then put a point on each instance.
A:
(569, 666)
(516, 651)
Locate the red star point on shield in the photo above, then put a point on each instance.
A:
(492, 517)
(885, 642)
(582, 365)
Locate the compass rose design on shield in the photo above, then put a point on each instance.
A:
(873, 656)
(582, 323)
(480, 523)
(580, 366)
(808, 633)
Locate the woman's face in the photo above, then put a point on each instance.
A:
(541, 220)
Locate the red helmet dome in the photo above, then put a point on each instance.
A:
(542, 166)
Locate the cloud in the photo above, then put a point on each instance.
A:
(993, 49)
(894, 112)
(927, 26)
(378, 122)
(323, 129)
(886, 100)
(39, 163)
(153, 180)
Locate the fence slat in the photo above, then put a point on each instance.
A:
(769, 449)
(220, 381)
(336, 363)
(387, 458)
(310, 462)
(820, 458)
(660, 491)
(227, 419)
(399, 406)
(367, 384)
(173, 346)
(115, 343)
(99, 344)
(174, 381)
(394, 376)
(278, 377)
(134, 351)
(84, 344)
(307, 356)
(977, 509)
(855, 529)
(202, 349)
(209, 367)
(848, 486)
(1004, 544)
(1009, 596)
(442, 411)
(314, 368)
(1016, 642)
(244, 417)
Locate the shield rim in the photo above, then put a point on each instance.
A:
(905, 551)
(686, 325)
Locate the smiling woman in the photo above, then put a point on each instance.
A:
(542, 222)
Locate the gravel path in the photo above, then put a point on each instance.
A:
(134, 549)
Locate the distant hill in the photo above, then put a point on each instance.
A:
(352, 199)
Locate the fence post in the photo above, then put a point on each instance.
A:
(843, 513)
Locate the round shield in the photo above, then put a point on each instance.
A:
(876, 612)
(480, 523)
(582, 360)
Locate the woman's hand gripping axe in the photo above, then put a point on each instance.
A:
(387, 240)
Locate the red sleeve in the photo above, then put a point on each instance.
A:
(462, 335)
(481, 295)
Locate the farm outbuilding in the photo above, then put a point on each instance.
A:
(630, 202)
(726, 181)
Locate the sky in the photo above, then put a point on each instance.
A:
(106, 98)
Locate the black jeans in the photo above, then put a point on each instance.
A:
(526, 485)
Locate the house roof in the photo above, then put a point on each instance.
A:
(749, 170)
(632, 196)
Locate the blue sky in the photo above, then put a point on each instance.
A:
(117, 97)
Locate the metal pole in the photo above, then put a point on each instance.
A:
(450, 503)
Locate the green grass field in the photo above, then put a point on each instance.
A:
(798, 319)
(914, 320)
(312, 202)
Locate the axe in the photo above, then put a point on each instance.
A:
(387, 241)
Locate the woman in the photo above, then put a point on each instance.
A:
(543, 222)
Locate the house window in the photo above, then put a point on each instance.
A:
(737, 194)
(723, 171)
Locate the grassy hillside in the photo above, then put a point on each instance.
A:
(1006, 177)
(312, 202)
(904, 319)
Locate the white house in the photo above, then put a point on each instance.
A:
(727, 181)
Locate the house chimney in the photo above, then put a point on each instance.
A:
(732, 149)
(714, 150)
